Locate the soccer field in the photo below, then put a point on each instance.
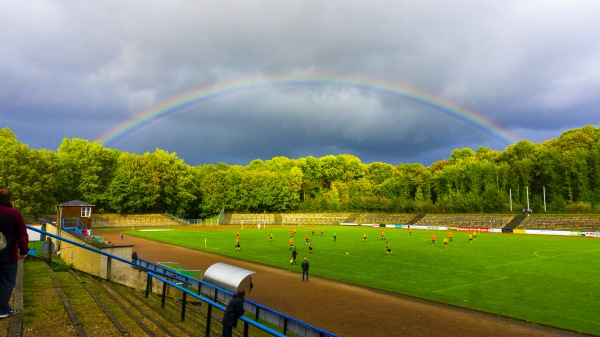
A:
(543, 279)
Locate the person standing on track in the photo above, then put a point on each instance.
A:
(305, 269)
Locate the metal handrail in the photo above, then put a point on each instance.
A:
(190, 281)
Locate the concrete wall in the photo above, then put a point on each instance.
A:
(98, 265)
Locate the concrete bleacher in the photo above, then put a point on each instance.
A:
(250, 219)
(384, 218)
(535, 221)
(286, 218)
(561, 222)
(466, 220)
(313, 218)
(135, 220)
(82, 305)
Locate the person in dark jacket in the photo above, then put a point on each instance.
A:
(14, 243)
(305, 269)
(235, 310)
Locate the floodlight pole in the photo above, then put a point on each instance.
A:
(544, 188)
(510, 197)
(527, 197)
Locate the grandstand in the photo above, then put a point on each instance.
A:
(562, 222)
(384, 218)
(249, 219)
(559, 222)
(313, 218)
(136, 220)
(286, 219)
(466, 220)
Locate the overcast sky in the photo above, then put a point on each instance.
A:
(79, 69)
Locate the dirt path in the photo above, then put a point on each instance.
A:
(344, 309)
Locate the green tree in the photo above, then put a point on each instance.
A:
(84, 171)
(29, 174)
(379, 172)
(128, 191)
(461, 154)
(332, 169)
(169, 184)
(312, 176)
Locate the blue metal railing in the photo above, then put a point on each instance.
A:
(211, 304)
(74, 224)
(182, 282)
(287, 323)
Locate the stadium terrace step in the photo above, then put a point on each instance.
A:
(351, 218)
(136, 220)
(227, 219)
(83, 305)
(415, 219)
(515, 222)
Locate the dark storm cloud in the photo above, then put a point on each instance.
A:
(80, 69)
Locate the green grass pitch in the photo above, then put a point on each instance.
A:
(548, 280)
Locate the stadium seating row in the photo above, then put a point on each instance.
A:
(313, 219)
(242, 218)
(466, 220)
(385, 218)
(134, 220)
(535, 221)
(562, 222)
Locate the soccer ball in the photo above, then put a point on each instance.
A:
(346, 253)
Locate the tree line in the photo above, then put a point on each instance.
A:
(561, 174)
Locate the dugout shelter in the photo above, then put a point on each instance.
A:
(228, 276)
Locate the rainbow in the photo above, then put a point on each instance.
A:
(198, 96)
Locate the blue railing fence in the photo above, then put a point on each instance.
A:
(259, 311)
(199, 289)
(210, 304)
(74, 224)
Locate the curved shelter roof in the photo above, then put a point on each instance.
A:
(227, 276)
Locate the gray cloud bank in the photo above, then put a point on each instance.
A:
(80, 69)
